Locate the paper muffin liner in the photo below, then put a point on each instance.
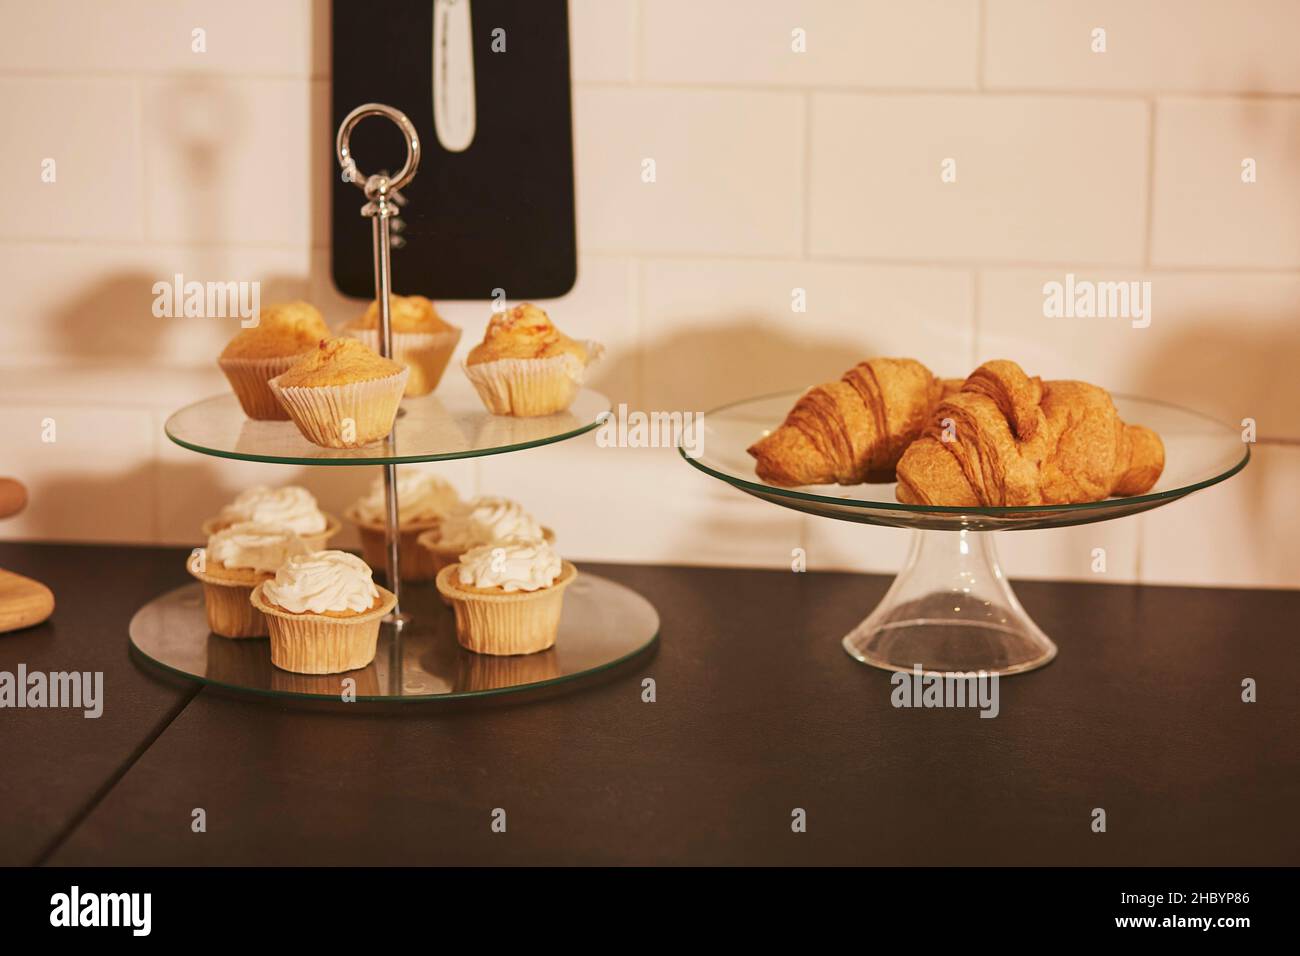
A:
(417, 562)
(320, 411)
(506, 622)
(320, 644)
(527, 388)
(440, 555)
(316, 541)
(426, 354)
(226, 601)
(249, 380)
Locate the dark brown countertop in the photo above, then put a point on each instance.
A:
(759, 711)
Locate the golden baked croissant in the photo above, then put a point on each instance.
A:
(853, 430)
(1005, 439)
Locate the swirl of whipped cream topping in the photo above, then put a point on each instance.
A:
(487, 519)
(291, 507)
(261, 547)
(322, 581)
(421, 497)
(511, 564)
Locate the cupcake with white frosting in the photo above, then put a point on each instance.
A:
(476, 522)
(323, 611)
(507, 595)
(235, 561)
(423, 501)
(291, 507)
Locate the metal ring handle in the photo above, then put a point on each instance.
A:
(406, 173)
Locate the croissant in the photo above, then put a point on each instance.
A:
(853, 430)
(1005, 439)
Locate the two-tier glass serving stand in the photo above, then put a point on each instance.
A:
(951, 608)
(418, 658)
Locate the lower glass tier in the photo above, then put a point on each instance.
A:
(603, 624)
(951, 609)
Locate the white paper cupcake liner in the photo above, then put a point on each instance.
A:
(321, 411)
(527, 388)
(249, 380)
(318, 643)
(226, 603)
(503, 623)
(426, 354)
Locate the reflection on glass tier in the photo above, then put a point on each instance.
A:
(452, 423)
(1199, 452)
(603, 624)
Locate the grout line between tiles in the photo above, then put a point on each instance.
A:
(987, 92)
(99, 795)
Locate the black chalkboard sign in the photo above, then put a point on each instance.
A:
(496, 214)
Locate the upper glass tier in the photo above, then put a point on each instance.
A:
(1199, 452)
(452, 423)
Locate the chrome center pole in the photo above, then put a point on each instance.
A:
(383, 205)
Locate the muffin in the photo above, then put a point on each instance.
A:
(507, 596)
(422, 341)
(323, 613)
(525, 366)
(342, 395)
(284, 333)
(472, 523)
(423, 499)
(291, 507)
(235, 561)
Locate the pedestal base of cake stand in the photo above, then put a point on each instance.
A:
(951, 609)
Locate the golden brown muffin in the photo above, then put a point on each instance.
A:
(338, 362)
(288, 328)
(407, 313)
(524, 332)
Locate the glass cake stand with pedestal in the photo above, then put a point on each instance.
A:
(951, 608)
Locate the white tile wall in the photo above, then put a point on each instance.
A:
(1150, 45)
(71, 164)
(775, 170)
(1204, 212)
(134, 37)
(92, 472)
(752, 206)
(921, 44)
(1036, 179)
(697, 310)
(1222, 343)
(603, 40)
(234, 161)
